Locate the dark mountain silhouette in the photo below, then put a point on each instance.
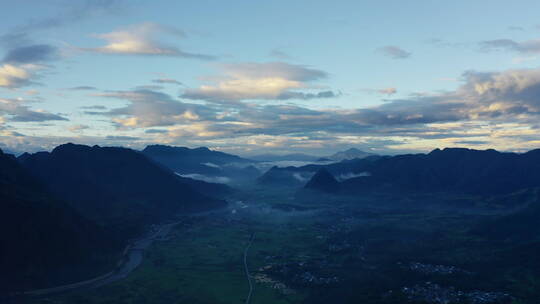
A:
(185, 160)
(117, 188)
(298, 176)
(42, 239)
(323, 181)
(215, 190)
(285, 177)
(455, 170)
(201, 161)
(451, 170)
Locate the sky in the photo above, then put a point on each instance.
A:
(251, 77)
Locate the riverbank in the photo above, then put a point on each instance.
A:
(132, 257)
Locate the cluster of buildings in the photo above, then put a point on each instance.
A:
(433, 293)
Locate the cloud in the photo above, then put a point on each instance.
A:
(17, 111)
(280, 55)
(167, 81)
(350, 175)
(82, 88)
(307, 96)
(472, 142)
(77, 128)
(14, 39)
(515, 28)
(302, 176)
(32, 53)
(141, 39)
(211, 165)
(394, 52)
(387, 91)
(262, 81)
(73, 11)
(529, 46)
(208, 179)
(121, 138)
(155, 131)
(16, 76)
(149, 87)
(501, 108)
(94, 107)
(149, 108)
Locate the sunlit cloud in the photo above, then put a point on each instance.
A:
(143, 39)
(149, 108)
(266, 81)
(16, 76)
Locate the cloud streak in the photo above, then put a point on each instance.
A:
(527, 47)
(394, 52)
(16, 110)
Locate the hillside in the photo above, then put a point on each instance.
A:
(518, 226)
(42, 240)
(118, 188)
(487, 172)
(323, 181)
(203, 161)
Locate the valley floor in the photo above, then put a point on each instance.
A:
(324, 250)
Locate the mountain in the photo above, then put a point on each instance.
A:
(483, 172)
(351, 153)
(42, 240)
(118, 188)
(455, 170)
(285, 177)
(323, 181)
(212, 189)
(202, 161)
(185, 160)
(298, 176)
(285, 157)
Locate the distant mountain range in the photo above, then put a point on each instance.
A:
(299, 176)
(202, 161)
(349, 154)
(450, 170)
(454, 170)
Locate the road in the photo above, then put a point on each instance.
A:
(246, 268)
(131, 259)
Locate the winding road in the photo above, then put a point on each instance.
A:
(246, 268)
(131, 259)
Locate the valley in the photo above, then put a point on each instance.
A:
(381, 249)
(338, 232)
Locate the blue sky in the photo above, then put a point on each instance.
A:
(278, 76)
